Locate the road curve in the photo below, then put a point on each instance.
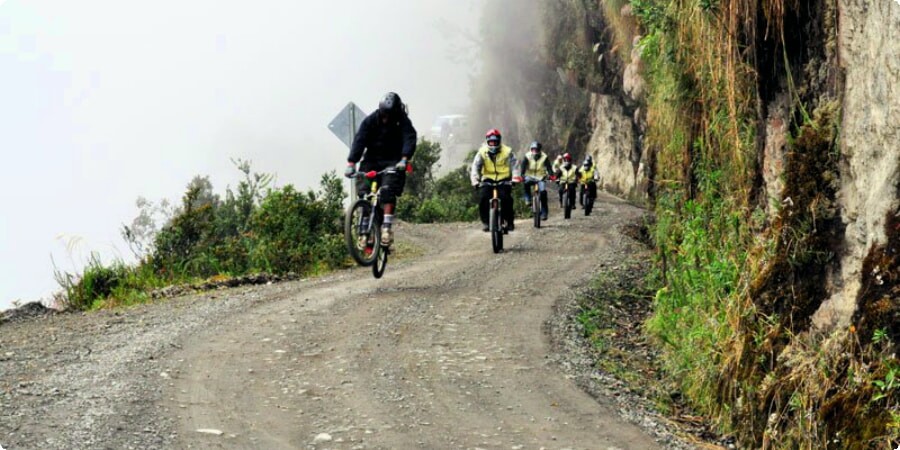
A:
(446, 351)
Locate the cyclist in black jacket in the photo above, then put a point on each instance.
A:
(386, 138)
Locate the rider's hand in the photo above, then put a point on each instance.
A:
(552, 177)
(476, 185)
(517, 179)
(350, 170)
(401, 166)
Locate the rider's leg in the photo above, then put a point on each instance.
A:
(542, 188)
(485, 193)
(388, 215)
(528, 187)
(393, 188)
(544, 209)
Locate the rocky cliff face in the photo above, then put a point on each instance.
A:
(571, 74)
(521, 90)
(867, 53)
(788, 124)
(613, 147)
(620, 125)
(869, 33)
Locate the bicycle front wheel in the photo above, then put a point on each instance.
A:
(567, 205)
(496, 231)
(536, 208)
(380, 261)
(360, 234)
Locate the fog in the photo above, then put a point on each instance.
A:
(515, 68)
(103, 101)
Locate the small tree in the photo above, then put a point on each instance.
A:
(141, 234)
(420, 182)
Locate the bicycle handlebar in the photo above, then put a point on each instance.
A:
(372, 174)
(494, 183)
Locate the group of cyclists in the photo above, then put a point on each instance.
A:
(496, 162)
(386, 139)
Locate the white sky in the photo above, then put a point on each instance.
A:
(102, 101)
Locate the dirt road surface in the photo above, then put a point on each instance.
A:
(447, 351)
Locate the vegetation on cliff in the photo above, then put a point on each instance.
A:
(745, 261)
(740, 289)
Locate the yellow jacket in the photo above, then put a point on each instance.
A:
(487, 167)
(568, 175)
(588, 175)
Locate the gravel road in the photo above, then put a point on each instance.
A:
(450, 350)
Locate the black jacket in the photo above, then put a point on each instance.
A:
(379, 145)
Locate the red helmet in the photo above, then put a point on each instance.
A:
(492, 135)
(567, 157)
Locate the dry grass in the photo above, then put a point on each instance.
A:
(624, 28)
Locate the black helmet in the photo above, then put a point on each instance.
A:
(391, 105)
(536, 146)
(588, 161)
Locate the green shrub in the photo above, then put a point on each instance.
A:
(96, 282)
(256, 228)
(294, 232)
(429, 200)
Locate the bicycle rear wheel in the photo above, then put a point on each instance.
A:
(496, 231)
(380, 261)
(361, 237)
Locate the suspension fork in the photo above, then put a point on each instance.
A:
(372, 196)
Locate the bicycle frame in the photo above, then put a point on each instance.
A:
(373, 196)
(567, 189)
(495, 204)
(495, 199)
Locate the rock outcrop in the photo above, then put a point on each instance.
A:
(869, 33)
(613, 148)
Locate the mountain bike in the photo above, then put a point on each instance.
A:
(495, 221)
(362, 226)
(588, 200)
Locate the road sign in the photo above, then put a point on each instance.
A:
(346, 123)
(344, 126)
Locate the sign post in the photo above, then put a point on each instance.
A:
(344, 126)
